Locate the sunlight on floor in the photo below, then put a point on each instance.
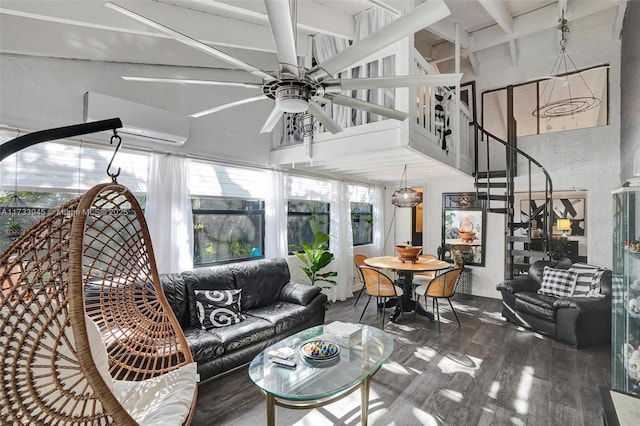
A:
(395, 368)
(452, 395)
(449, 366)
(495, 388)
(424, 418)
(521, 404)
(426, 354)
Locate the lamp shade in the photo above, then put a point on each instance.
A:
(406, 197)
(563, 225)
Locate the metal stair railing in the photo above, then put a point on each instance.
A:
(489, 182)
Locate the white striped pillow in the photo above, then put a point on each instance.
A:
(586, 274)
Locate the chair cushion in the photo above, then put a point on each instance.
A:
(535, 304)
(558, 282)
(218, 308)
(162, 400)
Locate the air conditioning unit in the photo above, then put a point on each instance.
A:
(139, 121)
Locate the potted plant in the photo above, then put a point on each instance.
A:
(317, 256)
(14, 229)
(369, 220)
(559, 248)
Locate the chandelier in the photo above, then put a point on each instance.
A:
(405, 197)
(567, 103)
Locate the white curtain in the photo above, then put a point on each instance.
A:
(168, 213)
(324, 47)
(276, 216)
(341, 241)
(378, 226)
(366, 23)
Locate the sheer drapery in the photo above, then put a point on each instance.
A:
(378, 226)
(341, 240)
(324, 47)
(168, 213)
(276, 216)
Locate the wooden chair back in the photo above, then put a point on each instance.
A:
(444, 285)
(377, 283)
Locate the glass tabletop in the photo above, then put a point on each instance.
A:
(309, 381)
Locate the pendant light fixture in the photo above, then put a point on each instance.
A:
(405, 196)
(567, 100)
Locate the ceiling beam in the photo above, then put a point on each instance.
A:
(539, 20)
(499, 13)
(617, 26)
(475, 64)
(513, 50)
(446, 29)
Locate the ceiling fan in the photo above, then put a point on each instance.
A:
(296, 89)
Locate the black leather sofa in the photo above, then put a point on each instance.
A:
(577, 321)
(274, 308)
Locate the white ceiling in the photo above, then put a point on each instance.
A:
(85, 29)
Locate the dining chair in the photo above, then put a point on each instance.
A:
(379, 285)
(358, 259)
(441, 287)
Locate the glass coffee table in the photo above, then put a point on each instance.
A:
(314, 384)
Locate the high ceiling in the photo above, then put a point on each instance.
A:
(85, 29)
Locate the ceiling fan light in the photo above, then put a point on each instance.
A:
(293, 99)
(406, 197)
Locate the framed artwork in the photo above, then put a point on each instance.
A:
(463, 224)
(569, 205)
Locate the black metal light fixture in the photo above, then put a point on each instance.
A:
(572, 103)
(405, 196)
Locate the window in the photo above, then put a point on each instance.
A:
(228, 212)
(299, 216)
(549, 95)
(362, 223)
(227, 229)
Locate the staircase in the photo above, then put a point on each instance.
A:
(525, 243)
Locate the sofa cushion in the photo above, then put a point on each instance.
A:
(284, 315)
(249, 331)
(211, 278)
(260, 281)
(537, 268)
(535, 304)
(300, 294)
(218, 308)
(557, 282)
(586, 274)
(204, 344)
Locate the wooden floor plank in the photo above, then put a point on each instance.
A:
(486, 372)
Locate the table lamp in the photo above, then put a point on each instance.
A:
(563, 225)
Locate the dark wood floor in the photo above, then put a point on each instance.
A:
(486, 372)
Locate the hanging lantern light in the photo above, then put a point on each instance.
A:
(405, 196)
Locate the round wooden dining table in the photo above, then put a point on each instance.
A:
(405, 271)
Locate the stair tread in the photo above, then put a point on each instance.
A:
(492, 174)
(519, 238)
(491, 184)
(528, 253)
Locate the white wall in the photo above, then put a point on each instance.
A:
(630, 100)
(38, 93)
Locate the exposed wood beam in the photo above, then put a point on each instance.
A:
(499, 13)
(475, 65)
(513, 49)
(531, 23)
(617, 26)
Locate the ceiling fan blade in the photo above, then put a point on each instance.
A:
(191, 81)
(279, 12)
(227, 106)
(422, 16)
(366, 106)
(191, 42)
(272, 120)
(324, 118)
(333, 86)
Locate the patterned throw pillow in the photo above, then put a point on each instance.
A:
(218, 308)
(595, 285)
(586, 275)
(558, 282)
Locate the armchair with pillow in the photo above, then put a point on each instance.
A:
(570, 302)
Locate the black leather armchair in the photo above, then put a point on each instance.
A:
(274, 308)
(577, 321)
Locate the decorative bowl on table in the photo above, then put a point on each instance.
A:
(408, 253)
(319, 350)
(467, 236)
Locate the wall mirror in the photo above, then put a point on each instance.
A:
(463, 223)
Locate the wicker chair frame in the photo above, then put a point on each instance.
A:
(90, 258)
